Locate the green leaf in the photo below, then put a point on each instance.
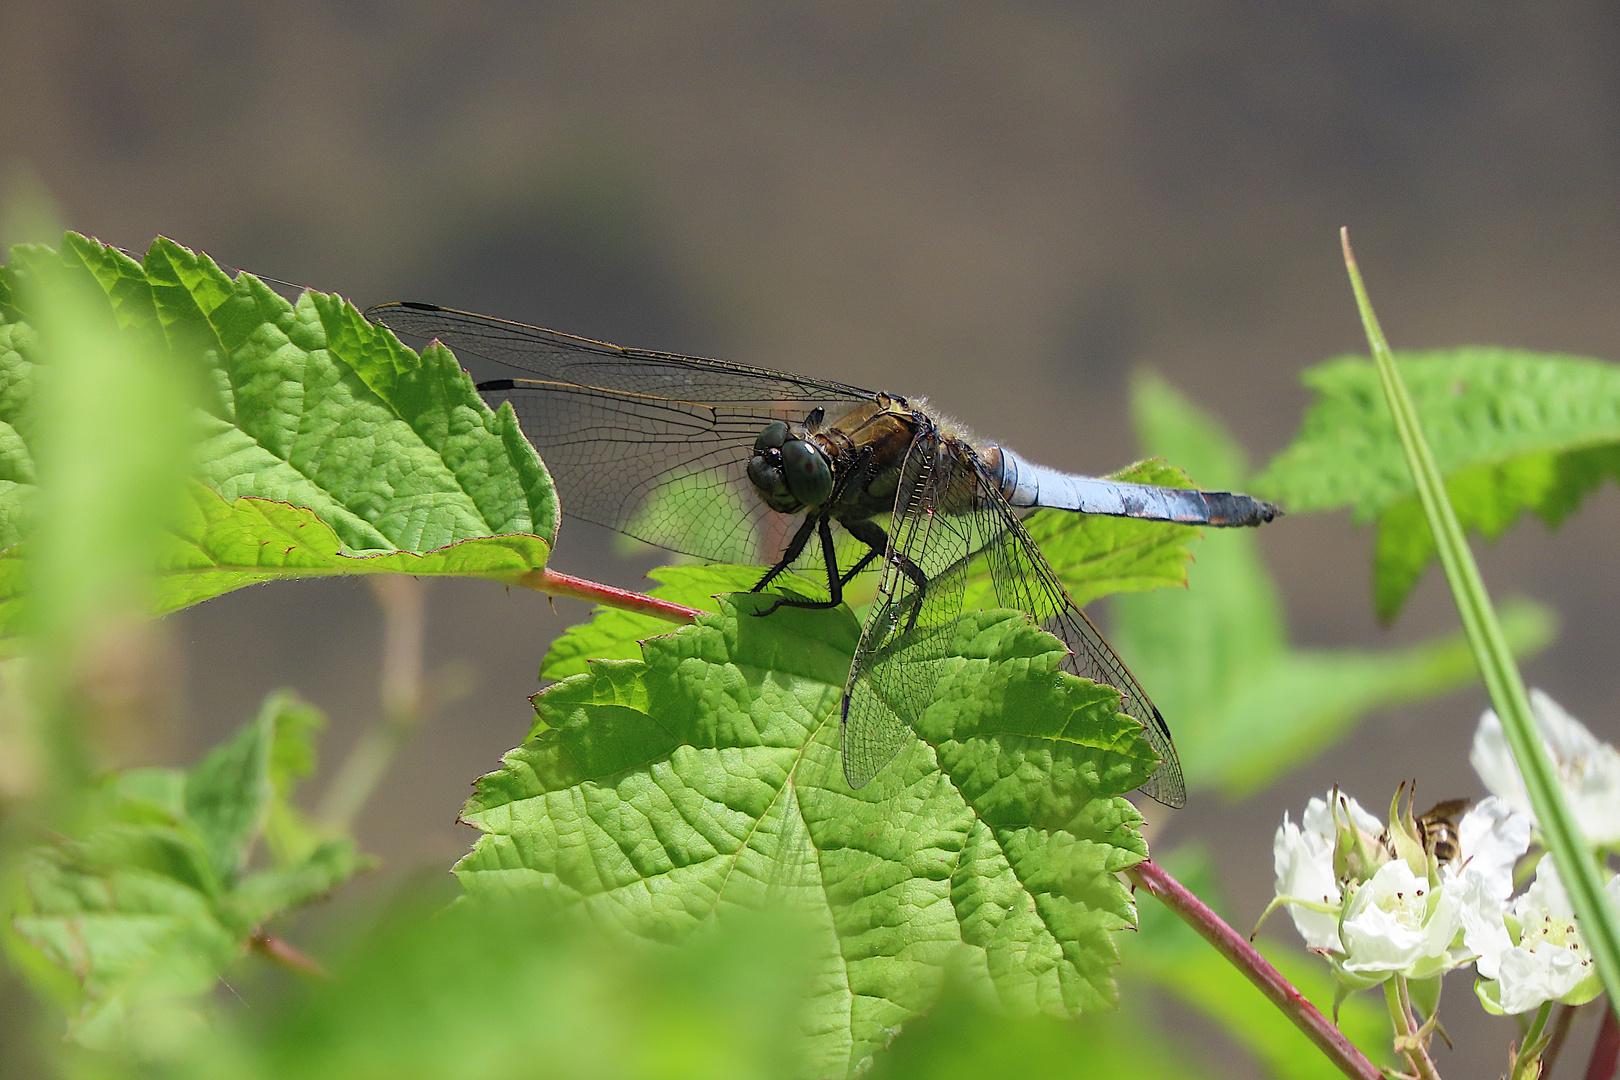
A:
(290, 836)
(235, 793)
(228, 794)
(326, 446)
(135, 937)
(151, 900)
(18, 480)
(1243, 704)
(1488, 499)
(264, 894)
(1511, 432)
(488, 990)
(661, 794)
(966, 1038)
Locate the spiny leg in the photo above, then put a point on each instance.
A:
(872, 535)
(795, 546)
(835, 583)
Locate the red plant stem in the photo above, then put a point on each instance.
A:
(547, 580)
(1236, 948)
(1606, 1051)
(273, 948)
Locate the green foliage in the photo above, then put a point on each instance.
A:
(1511, 432)
(1244, 705)
(503, 989)
(664, 794)
(154, 895)
(323, 445)
(964, 1038)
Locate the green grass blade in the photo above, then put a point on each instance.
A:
(1573, 857)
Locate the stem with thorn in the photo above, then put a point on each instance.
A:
(547, 580)
(404, 608)
(1247, 959)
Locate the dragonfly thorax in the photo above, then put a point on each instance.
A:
(791, 474)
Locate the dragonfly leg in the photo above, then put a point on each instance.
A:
(835, 583)
(795, 546)
(872, 535)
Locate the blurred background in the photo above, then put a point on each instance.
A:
(1009, 207)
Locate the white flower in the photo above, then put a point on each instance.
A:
(1374, 914)
(1302, 856)
(1589, 769)
(1395, 923)
(1491, 838)
(1540, 955)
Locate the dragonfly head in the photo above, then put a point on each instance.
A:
(791, 474)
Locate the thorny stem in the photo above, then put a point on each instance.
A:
(403, 603)
(273, 948)
(1606, 1051)
(1406, 1042)
(1247, 959)
(547, 580)
(404, 689)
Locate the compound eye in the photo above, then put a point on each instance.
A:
(807, 472)
(766, 476)
(772, 438)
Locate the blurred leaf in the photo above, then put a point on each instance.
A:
(1170, 955)
(266, 893)
(613, 634)
(110, 420)
(401, 466)
(289, 835)
(662, 794)
(108, 417)
(149, 901)
(1511, 431)
(501, 989)
(963, 1038)
(1245, 706)
(228, 795)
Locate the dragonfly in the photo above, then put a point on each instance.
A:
(722, 461)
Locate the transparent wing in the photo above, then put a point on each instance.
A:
(949, 513)
(654, 445)
(556, 357)
(1024, 580)
(912, 619)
